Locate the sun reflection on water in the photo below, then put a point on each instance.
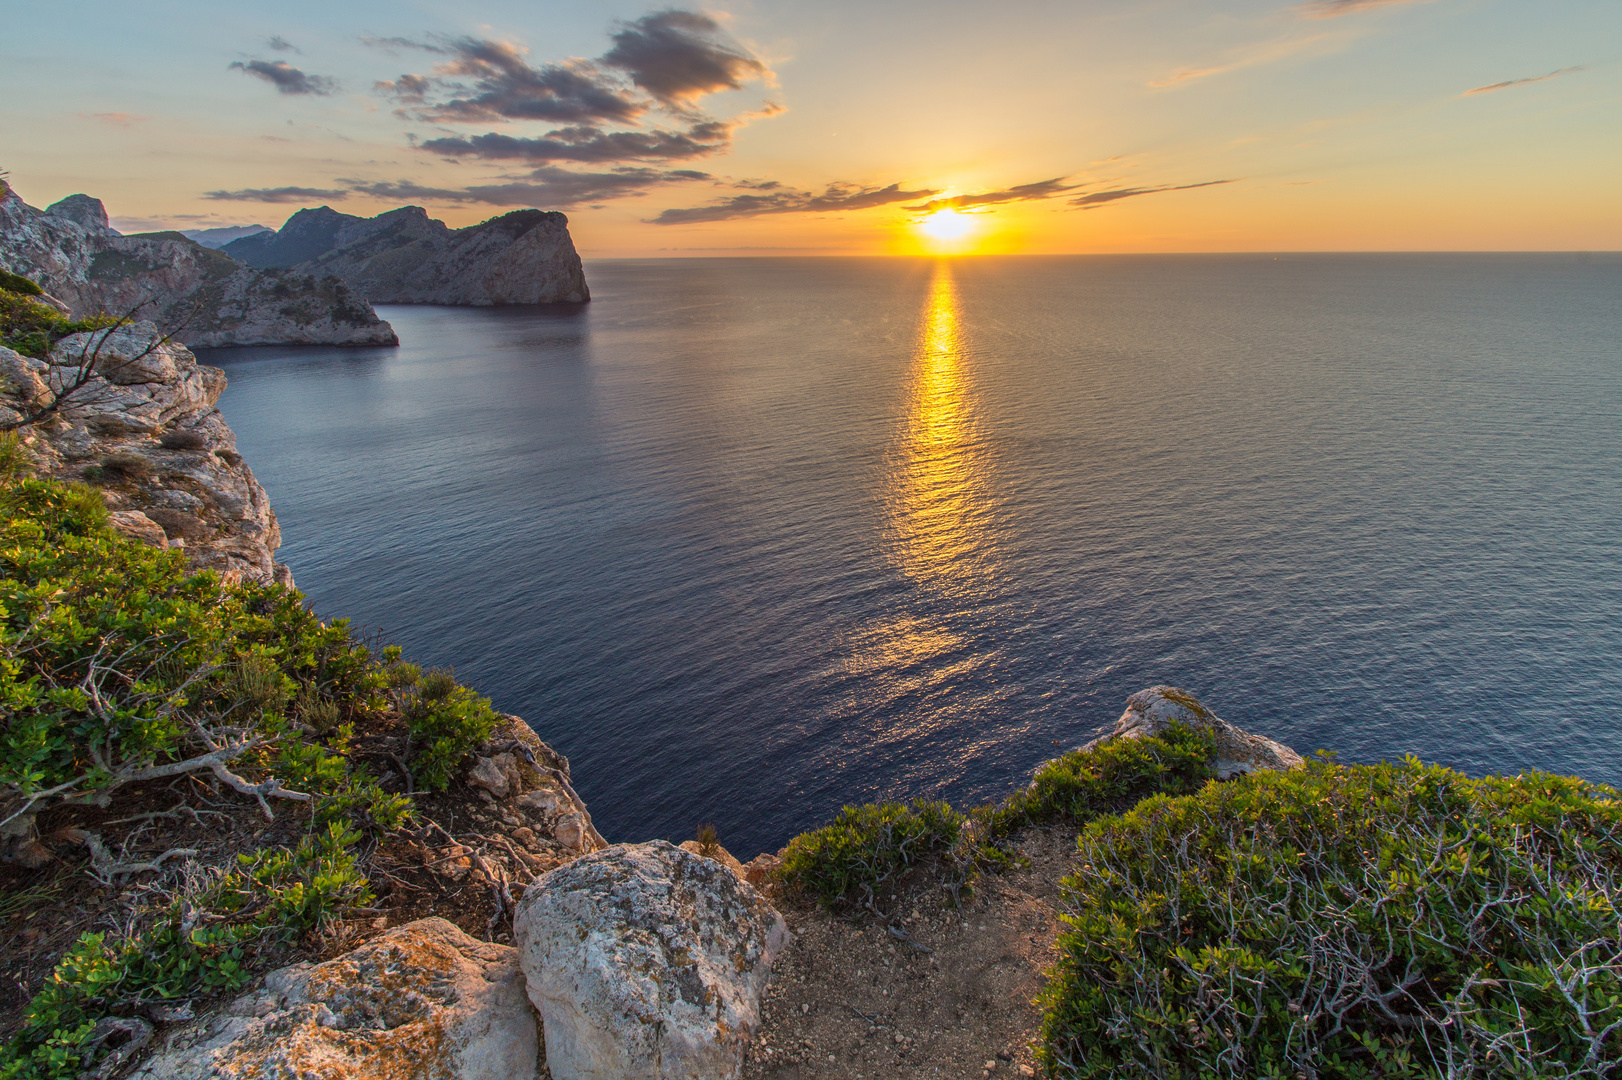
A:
(940, 500)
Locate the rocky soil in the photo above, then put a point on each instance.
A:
(406, 257)
(936, 992)
(202, 297)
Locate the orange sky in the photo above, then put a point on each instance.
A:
(777, 129)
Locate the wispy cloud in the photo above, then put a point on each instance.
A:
(286, 78)
(116, 119)
(1507, 83)
(837, 197)
(278, 194)
(1094, 199)
(1267, 53)
(1334, 9)
(1042, 189)
(277, 43)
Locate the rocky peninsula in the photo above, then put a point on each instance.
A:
(405, 257)
(200, 296)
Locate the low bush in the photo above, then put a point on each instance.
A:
(1346, 922)
(845, 865)
(117, 667)
(32, 327)
(446, 722)
(207, 942)
(1111, 777)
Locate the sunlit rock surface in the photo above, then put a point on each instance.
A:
(422, 1002)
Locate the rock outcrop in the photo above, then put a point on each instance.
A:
(529, 781)
(422, 1002)
(145, 429)
(1152, 711)
(646, 962)
(406, 257)
(203, 297)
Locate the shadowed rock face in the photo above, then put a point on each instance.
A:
(406, 257)
(212, 299)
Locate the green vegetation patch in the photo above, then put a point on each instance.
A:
(119, 668)
(844, 865)
(31, 326)
(1369, 921)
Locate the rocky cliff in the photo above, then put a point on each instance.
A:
(406, 257)
(145, 429)
(212, 299)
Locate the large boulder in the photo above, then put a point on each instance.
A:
(1152, 711)
(422, 1002)
(646, 962)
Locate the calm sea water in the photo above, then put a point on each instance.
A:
(752, 539)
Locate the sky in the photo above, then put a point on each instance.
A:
(859, 127)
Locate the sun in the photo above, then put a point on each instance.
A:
(947, 226)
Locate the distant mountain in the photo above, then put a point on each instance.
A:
(406, 257)
(203, 297)
(218, 238)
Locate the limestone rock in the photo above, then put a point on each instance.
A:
(203, 297)
(646, 962)
(719, 854)
(532, 780)
(1152, 711)
(422, 1002)
(405, 257)
(137, 526)
(149, 410)
(759, 870)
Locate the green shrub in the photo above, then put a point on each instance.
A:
(1112, 777)
(1356, 922)
(204, 944)
(846, 863)
(446, 722)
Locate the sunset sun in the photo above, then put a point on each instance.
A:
(947, 226)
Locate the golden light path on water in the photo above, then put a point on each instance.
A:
(939, 505)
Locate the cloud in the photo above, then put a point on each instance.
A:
(679, 56)
(1042, 189)
(588, 143)
(277, 195)
(407, 89)
(505, 87)
(1095, 199)
(116, 119)
(278, 43)
(1334, 9)
(1506, 84)
(287, 78)
(548, 187)
(1264, 54)
(837, 197)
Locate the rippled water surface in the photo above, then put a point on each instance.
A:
(751, 539)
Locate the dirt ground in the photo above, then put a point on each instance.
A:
(950, 998)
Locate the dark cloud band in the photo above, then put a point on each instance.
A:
(277, 195)
(838, 197)
(1042, 189)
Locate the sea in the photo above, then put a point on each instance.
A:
(753, 539)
